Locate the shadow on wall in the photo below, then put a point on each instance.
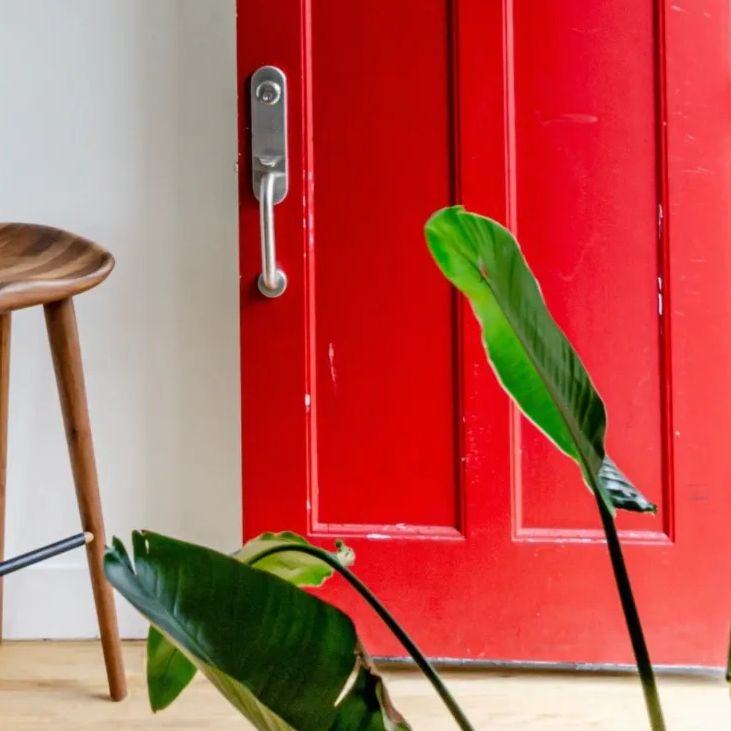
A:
(124, 130)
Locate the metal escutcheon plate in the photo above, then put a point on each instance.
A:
(268, 91)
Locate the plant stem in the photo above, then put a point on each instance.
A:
(632, 617)
(424, 665)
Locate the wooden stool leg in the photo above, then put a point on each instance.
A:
(4, 393)
(64, 340)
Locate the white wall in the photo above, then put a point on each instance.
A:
(118, 122)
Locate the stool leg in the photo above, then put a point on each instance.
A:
(4, 393)
(63, 337)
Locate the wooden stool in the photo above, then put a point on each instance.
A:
(46, 266)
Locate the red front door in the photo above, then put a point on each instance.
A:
(600, 133)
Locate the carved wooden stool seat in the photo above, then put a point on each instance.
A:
(47, 266)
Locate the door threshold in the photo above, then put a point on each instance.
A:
(448, 663)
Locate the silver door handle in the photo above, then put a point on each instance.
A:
(272, 280)
(269, 166)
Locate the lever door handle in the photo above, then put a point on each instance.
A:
(269, 177)
(272, 280)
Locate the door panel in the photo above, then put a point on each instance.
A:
(599, 132)
(585, 199)
(382, 163)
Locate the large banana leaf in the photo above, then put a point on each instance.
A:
(169, 671)
(529, 353)
(281, 656)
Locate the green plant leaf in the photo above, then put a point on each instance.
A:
(281, 656)
(297, 568)
(269, 647)
(169, 672)
(622, 492)
(529, 353)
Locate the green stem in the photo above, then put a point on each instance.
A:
(632, 617)
(424, 665)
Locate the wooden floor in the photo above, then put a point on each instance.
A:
(58, 686)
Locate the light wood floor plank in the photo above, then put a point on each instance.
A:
(60, 686)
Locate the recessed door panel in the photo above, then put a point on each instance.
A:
(587, 197)
(384, 376)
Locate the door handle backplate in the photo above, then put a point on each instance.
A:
(269, 174)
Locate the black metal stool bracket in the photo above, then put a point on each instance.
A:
(41, 554)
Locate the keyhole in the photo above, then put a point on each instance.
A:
(268, 92)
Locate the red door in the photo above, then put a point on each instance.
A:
(600, 132)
